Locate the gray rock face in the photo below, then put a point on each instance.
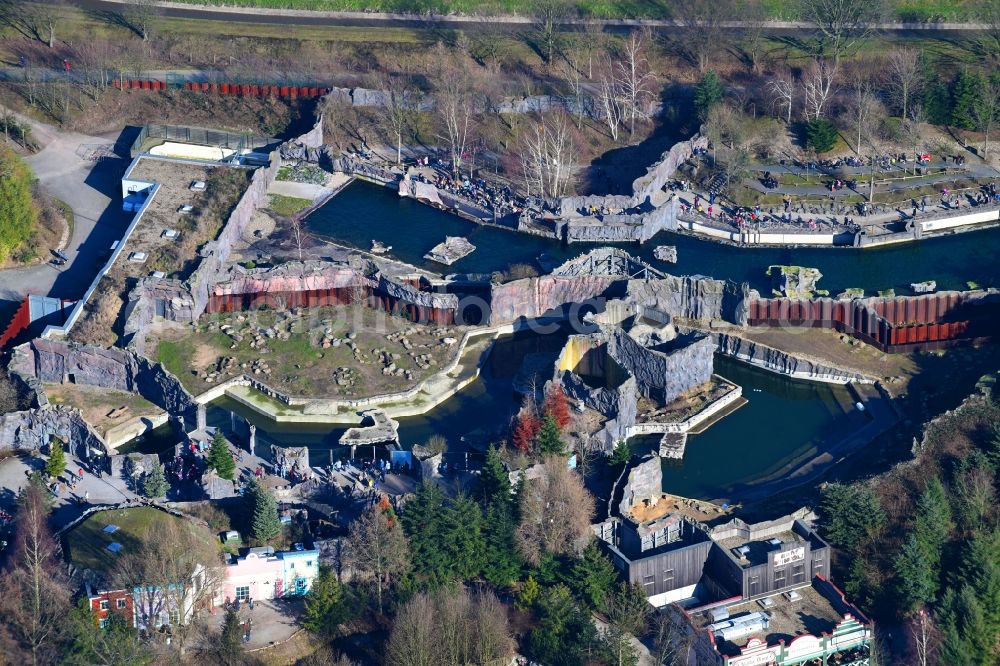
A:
(775, 360)
(55, 361)
(662, 375)
(645, 482)
(667, 253)
(33, 428)
(693, 297)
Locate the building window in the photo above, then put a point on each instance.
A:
(309, 563)
(668, 576)
(121, 604)
(175, 617)
(648, 580)
(243, 593)
(104, 604)
(103, 623)
(798, 573)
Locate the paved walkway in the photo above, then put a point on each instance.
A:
(65, 170)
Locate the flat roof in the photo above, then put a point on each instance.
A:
(759, 549)
(813, 613)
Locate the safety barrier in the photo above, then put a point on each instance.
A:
(234, 89)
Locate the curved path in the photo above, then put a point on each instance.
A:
(66, 169)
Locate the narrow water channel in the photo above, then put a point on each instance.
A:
(365, 212)
(785, 420)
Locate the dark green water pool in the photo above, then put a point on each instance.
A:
(365, 212)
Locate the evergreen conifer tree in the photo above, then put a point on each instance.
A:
(154, 483)
(708, 93)
(265, 524)
(594, 576)
(494, 481)
(966, 95)
(326, 605)
(56, 463)
(18, 212)
(421, 520)
(502, 564)
(549, 440)
(231, 639)
(462, 538)
(220, 458)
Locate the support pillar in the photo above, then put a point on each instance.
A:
(200, 425)
(253, 438)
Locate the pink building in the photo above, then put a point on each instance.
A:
(264, 574)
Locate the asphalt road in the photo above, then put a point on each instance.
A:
(469, 23)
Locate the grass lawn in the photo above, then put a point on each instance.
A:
(87, 544)
(288, 206)
(904, 10)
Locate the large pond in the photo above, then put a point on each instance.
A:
(365, 212)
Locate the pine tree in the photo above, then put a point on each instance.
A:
(916, 576)
(708, 93)
(502, 564)
(933, 521)
(494, 480)
(265, 524)
(549, 440)
(462, 539)
(980, 569)
(935, 98)
(220, 458)
(621, 455)
(557, 406)
(155, 483)
(326, 605)
(594, 576)
(526, 430)
(231, 638)
(56, 463)
(851, 513)
(564, 633)
(821, 135)
(421, 520)
(966, 95)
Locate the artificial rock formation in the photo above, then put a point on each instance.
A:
(32, 429)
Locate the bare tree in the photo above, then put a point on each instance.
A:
(177, 570)
(547, 155)
(555, 512)
(451, 627)
(818, 86)
(634, 78)
(988, 13)
(925, 638)
(548, 13)
(295, 225)
(609, 101)
(34, 594)
(378, 547)
(864, 111)
(401, 100)
(840, 24)
(904, 77)
(576, 96)
(455, 105)
(35, 21)
(673, 639)
(139, 15)
(754, 18)
(702, 29)
(782, 89)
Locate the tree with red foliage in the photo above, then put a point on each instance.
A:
(557, 406)
(526, 429)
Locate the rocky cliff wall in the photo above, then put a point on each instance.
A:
(33, 428)
(58, 362)
(663, 376)
(532, 297)
(692, 297)
(645, 482)
(783, 363)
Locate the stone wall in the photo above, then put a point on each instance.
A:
(33, 428)
(152, 297)
(693, 297)
(663, 375)
(663, 170)
(532, 297)
(58, 362)
(782, 362)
